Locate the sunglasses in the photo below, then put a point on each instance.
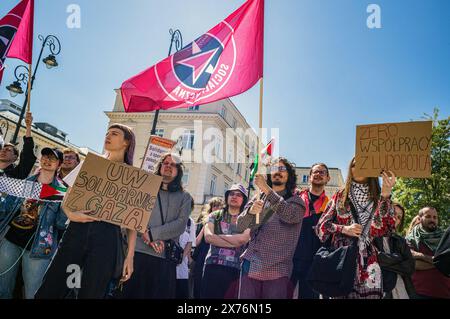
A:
(275, 169)
(236, 194)
(321, 173)
(169, 164)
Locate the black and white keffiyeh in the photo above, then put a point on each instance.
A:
(360, 197)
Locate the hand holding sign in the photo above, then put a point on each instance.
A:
(389, 181)
(80, 216)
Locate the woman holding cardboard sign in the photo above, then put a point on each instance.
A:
(90, 257)
(355, 216)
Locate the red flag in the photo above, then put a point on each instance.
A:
(225, 61)
(22, 44)
(9, 25)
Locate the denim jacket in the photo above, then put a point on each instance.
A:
(51, 220)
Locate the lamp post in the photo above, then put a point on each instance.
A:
(176, 38)
(22, 76)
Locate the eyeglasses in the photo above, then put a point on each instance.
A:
(169, 164)
(70, 157)
(236, 194)
(321, 173)
(275, 169)
(51, 159)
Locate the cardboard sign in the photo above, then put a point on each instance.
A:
(156, 147)
(404, 148)
(116, 193)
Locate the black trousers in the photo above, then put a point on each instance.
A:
(91, 246)
(153, 278)
(299, 276)
(182, 291)
(220, 282)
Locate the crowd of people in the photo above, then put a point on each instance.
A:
(240, 247)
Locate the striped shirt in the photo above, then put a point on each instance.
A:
(272, 245)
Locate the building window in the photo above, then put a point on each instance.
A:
(218, 148)
(227, 187)
(212, 188)
(159, 132)
(223, 112)
(187, 140)
(305, 179)
(185, 179)
(234, 123)
(193, 108)
(238, 170)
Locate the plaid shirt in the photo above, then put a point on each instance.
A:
(273, 241)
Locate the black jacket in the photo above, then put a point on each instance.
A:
(398, 262)
(441, 258)
(26, 162)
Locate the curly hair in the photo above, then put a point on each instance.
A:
(207, 209)
(291, 183)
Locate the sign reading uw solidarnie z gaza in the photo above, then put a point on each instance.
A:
(116, 193)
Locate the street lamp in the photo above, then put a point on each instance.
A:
(15, 88)
(21, 74)
(176, 38)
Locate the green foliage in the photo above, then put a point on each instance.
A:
(415, 193)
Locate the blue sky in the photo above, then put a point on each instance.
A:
(325, 70)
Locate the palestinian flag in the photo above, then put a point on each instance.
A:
(52, 192)
(266, 155)
(32, 190)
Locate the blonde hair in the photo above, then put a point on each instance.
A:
(207, 209)
(414, 222)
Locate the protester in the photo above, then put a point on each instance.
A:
(396, 262)
(222, 265)
(375, 219)
(186, 241)
(71, 160)
(9, 155)
(202, 247)
(30, 230)
(155, 275)
(91, 244)
(308, 243)
(423, 241)
(268, 260)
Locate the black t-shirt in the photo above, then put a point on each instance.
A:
(24, 224)
(312, 200)
(308, 242)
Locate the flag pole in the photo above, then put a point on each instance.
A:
(29, 87)
(261, 91)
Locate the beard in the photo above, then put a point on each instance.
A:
(430, 227)
(277, 183)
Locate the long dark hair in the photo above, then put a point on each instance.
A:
(130, 138)
(374, 187)
(176, 184)
(291, 183)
